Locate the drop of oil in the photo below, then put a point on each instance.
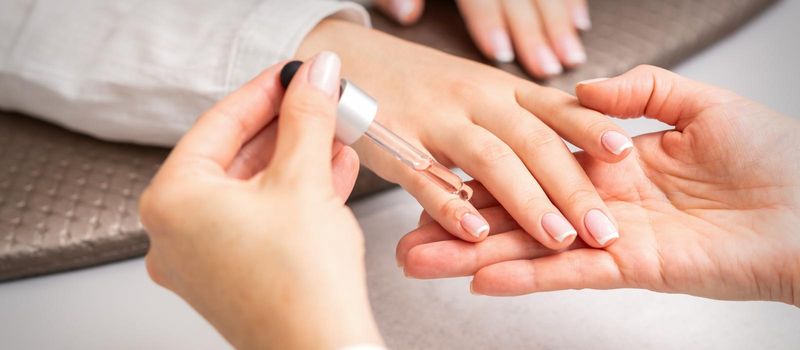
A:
(465, 192)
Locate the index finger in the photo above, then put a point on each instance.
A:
(220, 133)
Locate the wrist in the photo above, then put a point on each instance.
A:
(288, 308)
(338, 314)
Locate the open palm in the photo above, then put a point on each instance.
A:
(711, 208)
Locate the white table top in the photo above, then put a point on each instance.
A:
(116, 306)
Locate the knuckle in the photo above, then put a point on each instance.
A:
(449, 208)
(149, 208)
(535, 204)
(158, 205)
(580, 196)
(540, 137)
(597, 126)
(309, 109)
(488, 152)
(467, 90)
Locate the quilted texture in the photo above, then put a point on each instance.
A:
(68, 201)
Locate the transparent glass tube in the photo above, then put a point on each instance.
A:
(418, 161)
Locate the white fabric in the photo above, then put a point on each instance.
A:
(143, 70)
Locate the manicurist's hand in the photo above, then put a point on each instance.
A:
(541, 34)
(500, 129)
(711, 208)
(253, 232)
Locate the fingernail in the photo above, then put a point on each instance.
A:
(573, 50)
(580, 17)
(501, 46)
(591, 81)
(472, 288)
(324, 72)
(548, 61)
(600, 226)
(616, 142)
(558, 227)
(402, 9)
(474, 224)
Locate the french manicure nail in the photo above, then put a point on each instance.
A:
(573, 50)
(324, 72)
(580, 17)
(600, 226)
(558, 227)
(501, 46)
(548, 61)
(616, 142)
(591, 81)
(402, 9)
(474, 224)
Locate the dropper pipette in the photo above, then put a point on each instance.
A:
(356, 117)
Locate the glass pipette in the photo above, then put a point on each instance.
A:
(356, 117)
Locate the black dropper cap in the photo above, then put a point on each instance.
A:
(288, 71)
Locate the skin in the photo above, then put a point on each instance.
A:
(502, 130)
(710, 208)
(261, 243)
(543, 35)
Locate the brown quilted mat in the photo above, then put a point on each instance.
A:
(68, 201)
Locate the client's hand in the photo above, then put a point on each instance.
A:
(268, 253)
(502, 130)
(711, 208)
(543, 32)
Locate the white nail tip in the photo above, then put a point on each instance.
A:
(481, 230)
(403, 8)
(608, 238)
(560, 238)
(504, 57)
(622, 148)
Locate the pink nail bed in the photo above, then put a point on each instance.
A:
(573, 51)
(557, 226)
(501, 46)
(548, 61)
(600, 226)
(616, 142)
(474, 224)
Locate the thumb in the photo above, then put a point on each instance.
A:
(648, 91)
(405, 12)
(307, 120)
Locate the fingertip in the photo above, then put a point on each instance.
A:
(602, 229)
(472, 289)
(541, 62)
(571, 50)
(424, 218)
(581, 18)
(412, 263)
(617, 144)
(475, 225)
(404, 12)
(502, 50)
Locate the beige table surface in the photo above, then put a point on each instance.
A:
(116, 307)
